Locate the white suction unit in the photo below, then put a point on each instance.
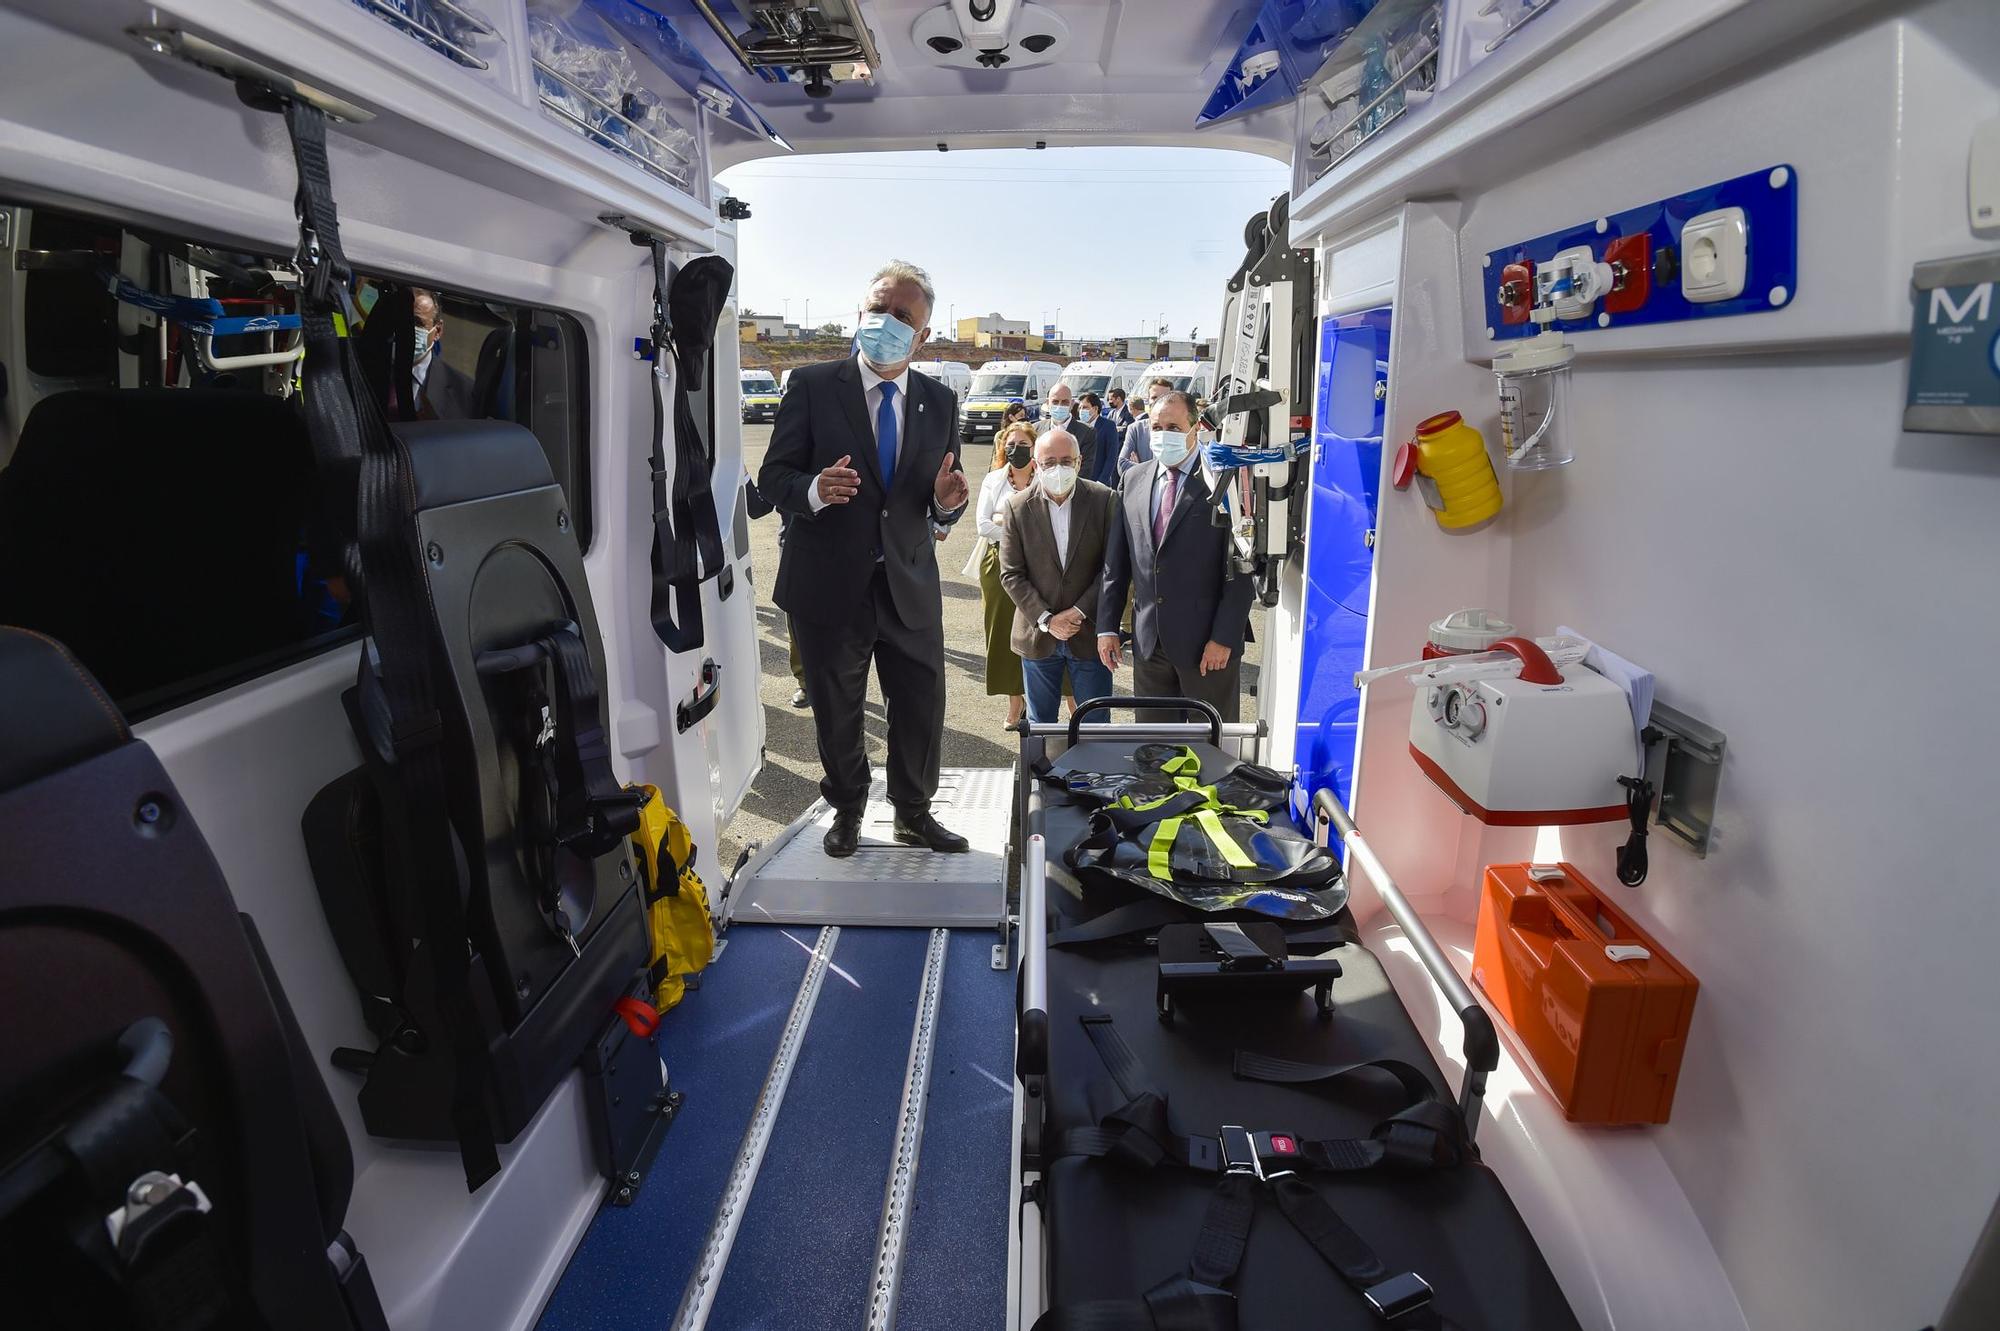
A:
(1544, 747)
(991, 34)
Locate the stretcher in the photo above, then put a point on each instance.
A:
(1255, 1161)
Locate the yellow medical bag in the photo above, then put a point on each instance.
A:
(677, 918)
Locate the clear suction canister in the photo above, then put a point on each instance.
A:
(1533, 378)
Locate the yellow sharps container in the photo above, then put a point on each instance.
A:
(1448, 458)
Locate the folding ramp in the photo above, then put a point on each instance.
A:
(792, 880)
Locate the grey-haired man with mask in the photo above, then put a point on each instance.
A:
(1059, 413)
(864, 459)
(1188, 616)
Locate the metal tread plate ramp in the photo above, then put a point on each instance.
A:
(794, 881)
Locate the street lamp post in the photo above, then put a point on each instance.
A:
(806, 320)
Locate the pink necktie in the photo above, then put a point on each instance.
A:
(1166, 512)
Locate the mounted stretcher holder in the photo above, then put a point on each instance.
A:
(1231, 963)
(1602, 1008)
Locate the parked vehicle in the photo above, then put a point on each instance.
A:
(1101, 376)
(760, 397)
(955, 375)
(1000, 383)
(1190, 376)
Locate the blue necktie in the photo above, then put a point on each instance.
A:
(885, 433)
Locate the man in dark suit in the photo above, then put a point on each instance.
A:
(1092, 418)
(1052, 537)
(1138, 435)
(864, 460)
(1187, 616)
(441, 392)
(1120, 414)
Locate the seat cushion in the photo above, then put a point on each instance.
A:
(157, 532)
(56, 714)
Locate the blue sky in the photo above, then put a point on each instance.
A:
(1115, 238)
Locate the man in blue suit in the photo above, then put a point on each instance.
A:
(863, 461)
(1090, 415)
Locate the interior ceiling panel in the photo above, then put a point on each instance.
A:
(1132, 72)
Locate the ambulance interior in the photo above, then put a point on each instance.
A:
(1707, 285)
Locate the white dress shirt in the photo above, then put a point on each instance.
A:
(1059, 520)
(871, 395)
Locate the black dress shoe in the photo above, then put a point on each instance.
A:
(799, 698)
(920, 829)
(844, 835)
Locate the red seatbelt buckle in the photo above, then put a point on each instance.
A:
(1277, 1152)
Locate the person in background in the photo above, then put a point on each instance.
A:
(1188, 618)
(1013, 472)
(1052, 564)
(1090, 416)
(1138, 436)
(758, 506)
(1117, 410)
(1060, 414)
(864, 459)
(441, 392)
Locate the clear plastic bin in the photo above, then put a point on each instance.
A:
(1533, 378)
(458, 30)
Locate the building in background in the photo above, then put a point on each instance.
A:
(764, 328)
(990, 330)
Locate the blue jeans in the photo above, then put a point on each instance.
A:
(1044, 678)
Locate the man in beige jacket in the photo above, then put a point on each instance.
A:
(1052, 537)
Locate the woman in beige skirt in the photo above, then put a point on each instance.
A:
(1013, 471)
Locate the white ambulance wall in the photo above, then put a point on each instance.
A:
(97, 128)
(1747, 519)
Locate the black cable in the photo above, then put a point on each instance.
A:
(1632, 855)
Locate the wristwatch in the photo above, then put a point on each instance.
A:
(1042, 624)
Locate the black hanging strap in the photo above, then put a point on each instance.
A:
(351, 439)
(687, 534)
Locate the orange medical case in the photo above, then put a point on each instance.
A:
(1603, 1008)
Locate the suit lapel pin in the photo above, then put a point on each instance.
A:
(920, 408)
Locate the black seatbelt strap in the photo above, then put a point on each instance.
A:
(594, 814)
(1144, 919)
(387, 573)
(1425, 1134)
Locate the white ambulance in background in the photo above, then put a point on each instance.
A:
(955, 375)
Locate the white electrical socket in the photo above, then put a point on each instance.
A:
(1715, 256)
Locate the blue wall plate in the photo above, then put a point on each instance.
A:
(1770, 203)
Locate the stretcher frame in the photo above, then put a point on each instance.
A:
(1027, 1272)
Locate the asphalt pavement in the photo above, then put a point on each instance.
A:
(973, 733)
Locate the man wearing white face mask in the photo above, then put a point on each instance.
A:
(1060, 414)
(1187, 616)
(441, 392)
(1052, 538)
(864, 458)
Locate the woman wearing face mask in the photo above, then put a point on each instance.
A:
(1013, 471)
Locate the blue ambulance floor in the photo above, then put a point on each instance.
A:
(805, 1252)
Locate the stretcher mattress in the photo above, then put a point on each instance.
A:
(1115, 1232)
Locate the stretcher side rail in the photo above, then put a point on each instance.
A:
(1482, 1042)
(1031, 1054)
